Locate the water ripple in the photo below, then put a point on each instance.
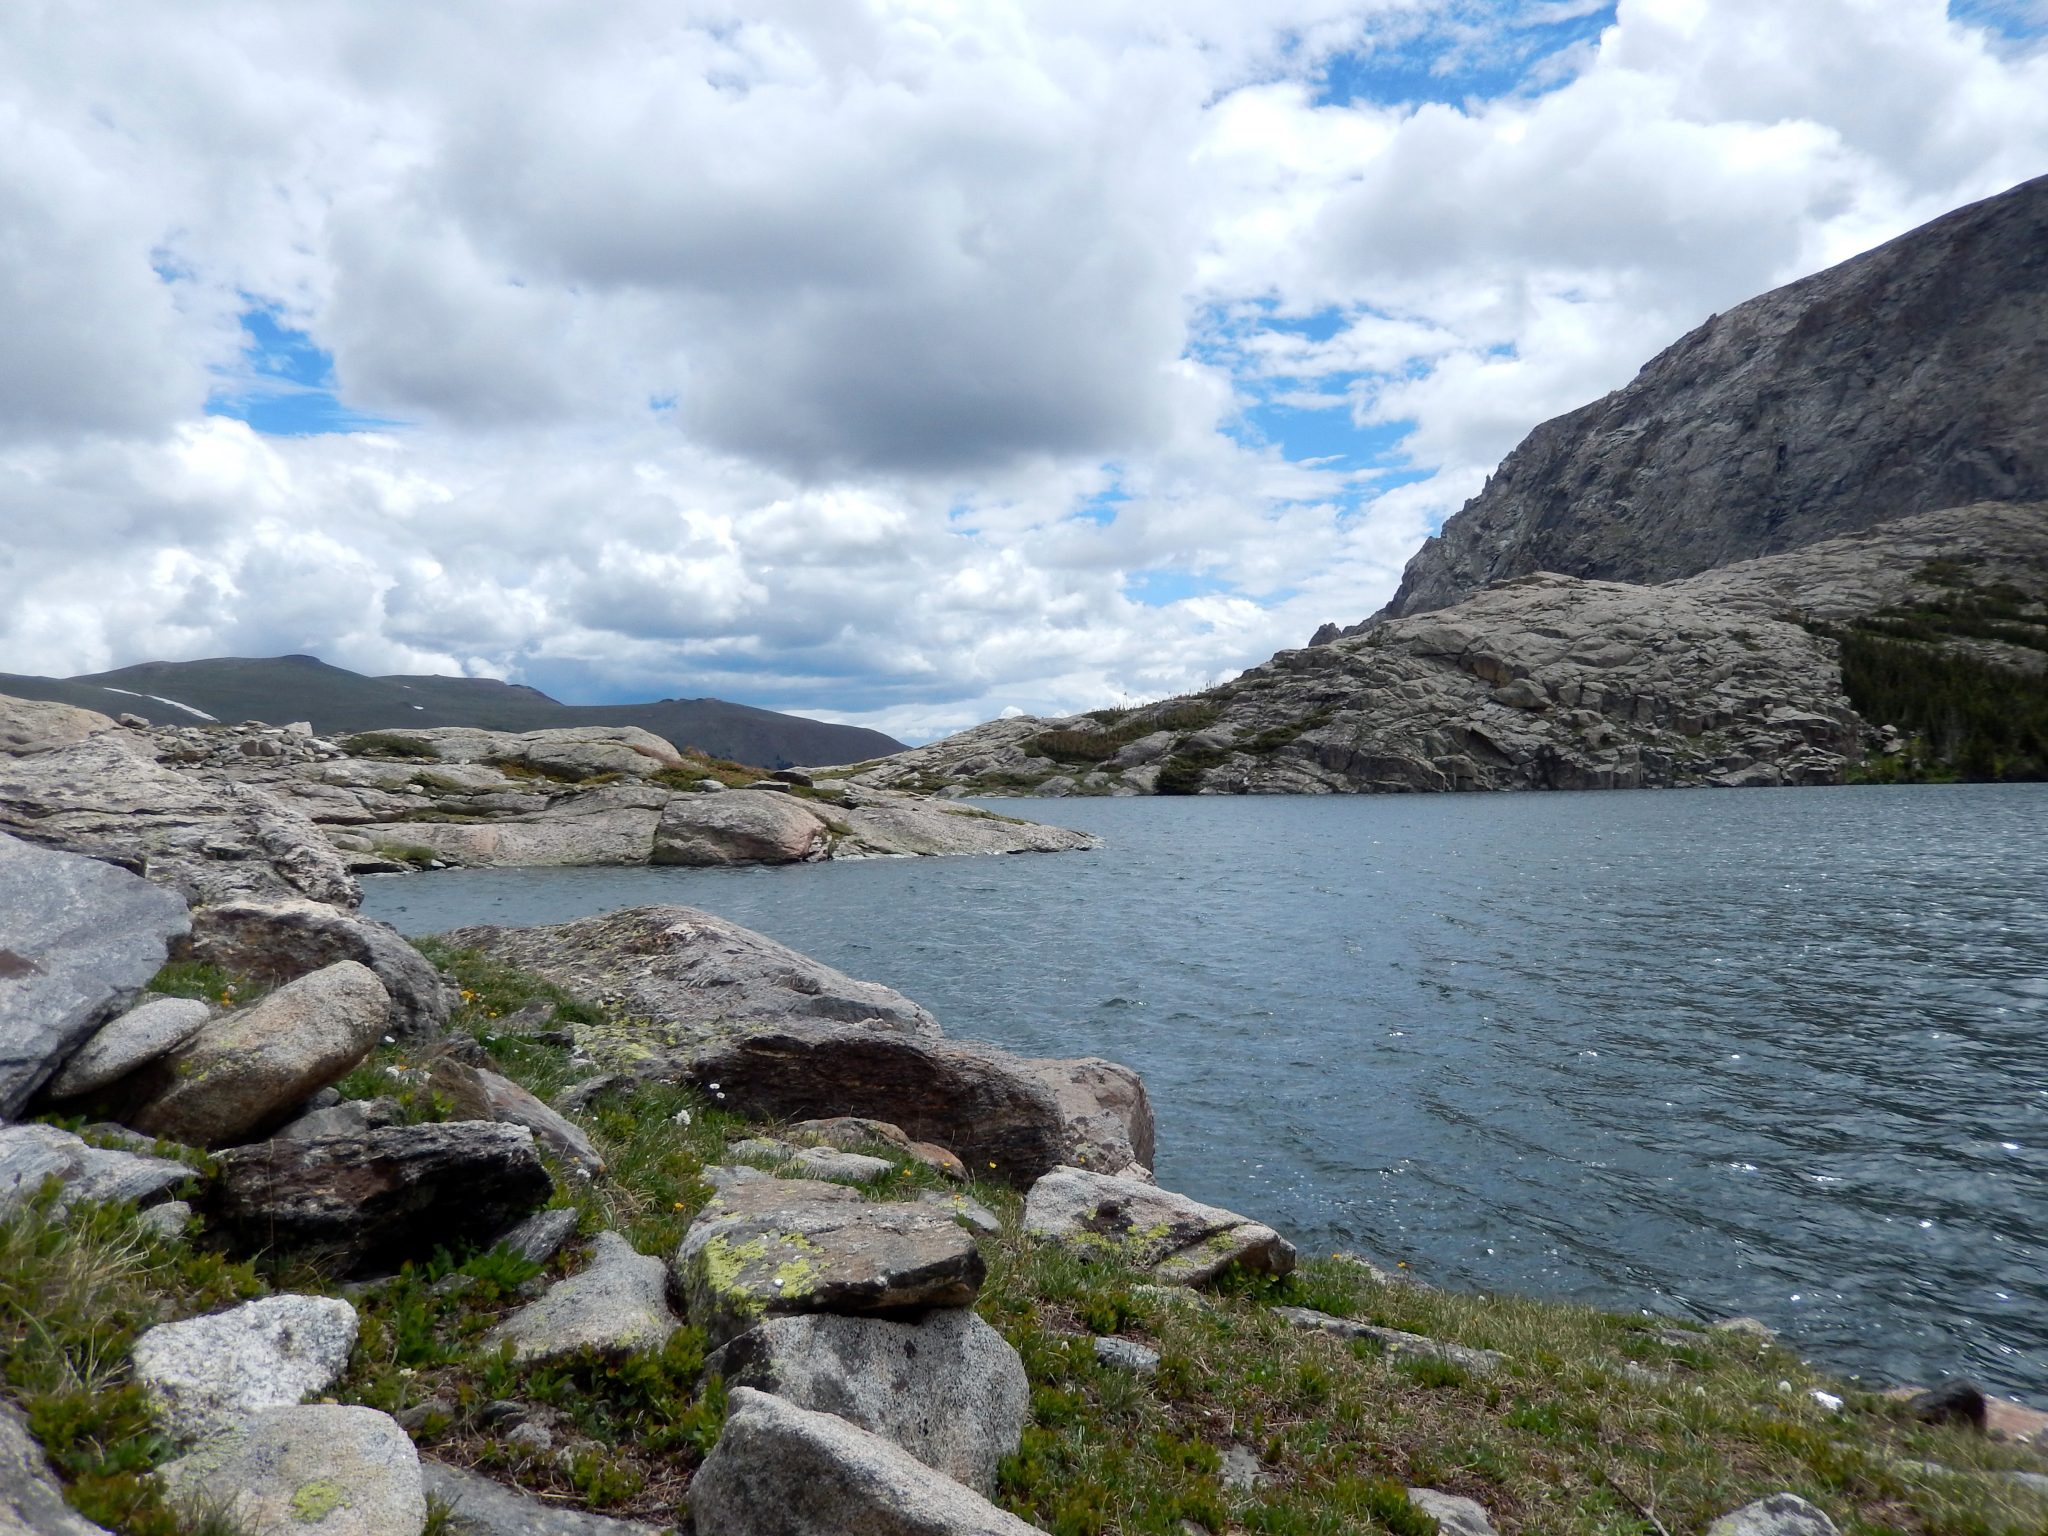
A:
(1771, 1052)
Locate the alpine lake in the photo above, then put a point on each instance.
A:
(1781, 1053)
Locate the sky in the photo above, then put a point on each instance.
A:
(899, 362)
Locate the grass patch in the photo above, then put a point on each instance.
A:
(204, 981)
(390, 744)
(75, 1292)
(418, 855)
(700, 766)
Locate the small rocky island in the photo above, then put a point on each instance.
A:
(646, 1222)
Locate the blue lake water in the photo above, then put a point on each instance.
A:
(1777, 1052)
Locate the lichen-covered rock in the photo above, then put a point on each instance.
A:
(1180, 1241)
(778, 1247)
(379, 1198)
(476, 1093)
(1105, 1114)
(615, 1306)
(139, 1036)
(31, 1499)
(246, 1070)
(31, 1154)
(1782, 1514)
(208, 1374)
(78, 939)
(278, 939)
(781, 1470)
(334, 1470)
(945, 1387)
(690, 976)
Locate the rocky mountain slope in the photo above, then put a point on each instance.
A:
(1906, 380)
(333, 700)
(1733, 677)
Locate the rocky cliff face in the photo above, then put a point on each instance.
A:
(1906, 380)
(1557, 682)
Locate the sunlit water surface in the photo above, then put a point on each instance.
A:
(1776, 1052)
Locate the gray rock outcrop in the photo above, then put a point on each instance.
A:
(32, 1154)
(745, 826)
(773, 1247)
(1904, 380)
(1106, 1122)
(477, 1093)
(31, 1499)
(33, 725)
(691, 975)
(1180, 1241)
(1782, 1514)
(340, 1471)
(208, 1374)
(152, 1029)
(781, 1470)
(381, 1197)
(988, 1106)
(247, 1070)
(1396, 1342)
(945, 1387)
(78, 939)
(477, 1506)
(616, 1305)
(1454, 1516)
(204, 835)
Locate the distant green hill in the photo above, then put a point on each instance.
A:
(279, 689)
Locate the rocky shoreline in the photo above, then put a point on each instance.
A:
(758, 1203)
(1729, 679)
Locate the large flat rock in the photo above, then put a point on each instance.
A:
(770, 1248)
(78, 940)
(690, 976)
(993, 1109)
(1181, 1241)
(781, 1470)
(31, 1154)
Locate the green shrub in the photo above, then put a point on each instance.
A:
(390, 744)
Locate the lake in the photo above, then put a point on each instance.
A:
(1774, 1052)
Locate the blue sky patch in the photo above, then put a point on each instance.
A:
(1453, 64)
(285, 385)
(1155, 589)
